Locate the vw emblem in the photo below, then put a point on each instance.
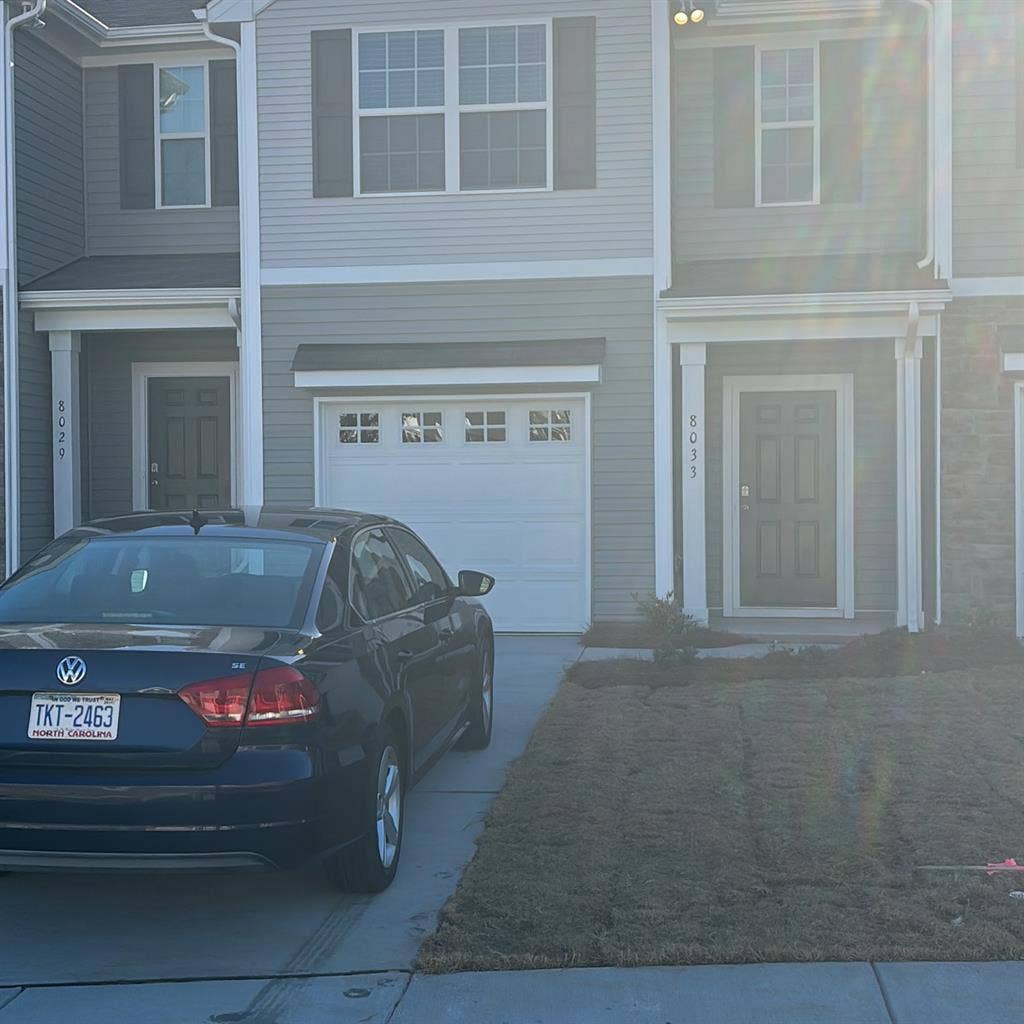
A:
(71, 671)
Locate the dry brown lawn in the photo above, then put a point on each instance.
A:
(751, 821)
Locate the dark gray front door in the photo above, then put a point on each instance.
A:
(189, 442)
(787, 499)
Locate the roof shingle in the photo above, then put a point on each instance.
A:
(126, 13)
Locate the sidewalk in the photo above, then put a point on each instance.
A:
(855, 993)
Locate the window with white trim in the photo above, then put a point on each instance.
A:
(359, 428)
(453, 109)
(787, 133)
(550, 425)
(486, 427)
(401, 78)
(422, 428)
(183, 136)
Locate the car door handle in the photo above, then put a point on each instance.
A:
(405, 655)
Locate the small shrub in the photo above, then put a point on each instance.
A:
(676, 635)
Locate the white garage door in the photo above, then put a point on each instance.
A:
(499, 486)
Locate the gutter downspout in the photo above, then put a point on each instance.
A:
(929, 256)
(12, 404)
(249, 314)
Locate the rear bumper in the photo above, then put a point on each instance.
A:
(265, 807)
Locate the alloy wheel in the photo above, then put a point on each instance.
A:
(389, 806)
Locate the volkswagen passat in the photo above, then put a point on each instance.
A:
(232, 689)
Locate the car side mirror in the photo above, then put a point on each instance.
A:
(475, 584)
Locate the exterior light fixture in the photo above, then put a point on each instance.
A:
(693, 12)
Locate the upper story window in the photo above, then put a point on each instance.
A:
(183, 136)
(454, 109)
(786, 93)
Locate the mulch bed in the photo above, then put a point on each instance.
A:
(641, 636)
(721, 819)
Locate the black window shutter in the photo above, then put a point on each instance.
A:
(842, 121)
(575, 102)
(224, 133)
(332, 113)
(137, 127)
(734, 126)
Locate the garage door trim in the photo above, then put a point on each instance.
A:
(319, 471)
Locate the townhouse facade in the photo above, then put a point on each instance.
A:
(600, 303)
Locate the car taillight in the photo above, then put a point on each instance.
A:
(277, 696)
(281, 695)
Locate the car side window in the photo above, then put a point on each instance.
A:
(331, 611)
(429, 579)
(379, 586)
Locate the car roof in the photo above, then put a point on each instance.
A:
(321, 524)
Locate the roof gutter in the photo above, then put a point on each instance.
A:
(247, 313)
(929, 256)
(12, 415)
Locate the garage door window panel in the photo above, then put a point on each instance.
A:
(359, 428)
(422, 427)
(554, 425)
(486, 427)
(379, 585)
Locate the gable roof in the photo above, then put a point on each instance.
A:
(130, 13)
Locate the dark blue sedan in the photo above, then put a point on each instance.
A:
(229, 689)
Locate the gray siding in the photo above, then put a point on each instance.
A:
(48, 111)
(888, 219)
(988, 187)
(107, 393)
(112, 230)
(36, 438)
(620, 310)
(874, 397)
(613, 220)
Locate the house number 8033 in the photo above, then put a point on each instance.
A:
(694, 440)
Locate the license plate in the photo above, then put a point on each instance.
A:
(74, 716)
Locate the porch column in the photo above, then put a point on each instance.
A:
(693, 359)
(910, 598)
(65, 348)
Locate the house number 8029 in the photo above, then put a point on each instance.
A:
(62, 435)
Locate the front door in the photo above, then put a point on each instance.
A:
(189, 442)
(787, 499)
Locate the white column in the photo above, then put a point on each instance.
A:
(908, 484)
(693, 359)
(65, 347)
(664, 527)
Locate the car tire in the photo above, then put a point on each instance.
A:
(370, 864)
(481, 713)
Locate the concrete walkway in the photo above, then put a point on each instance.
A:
(855, 993)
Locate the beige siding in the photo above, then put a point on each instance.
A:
(113, 231)
(613, 220)
(887, 220)
(623, 460)
(988, 187)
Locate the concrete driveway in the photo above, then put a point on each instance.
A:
(264, 948)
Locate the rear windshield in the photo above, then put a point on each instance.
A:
(183, 581)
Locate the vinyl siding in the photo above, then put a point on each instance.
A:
(874, 397)
(613, 220)
(619, 310)
(114, 231)
(36, 438)
(107, 395)
(48, 112)
(887, 220)
(988, 187)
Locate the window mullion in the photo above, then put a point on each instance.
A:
(452, 161)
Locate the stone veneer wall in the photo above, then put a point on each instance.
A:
(977, 463)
